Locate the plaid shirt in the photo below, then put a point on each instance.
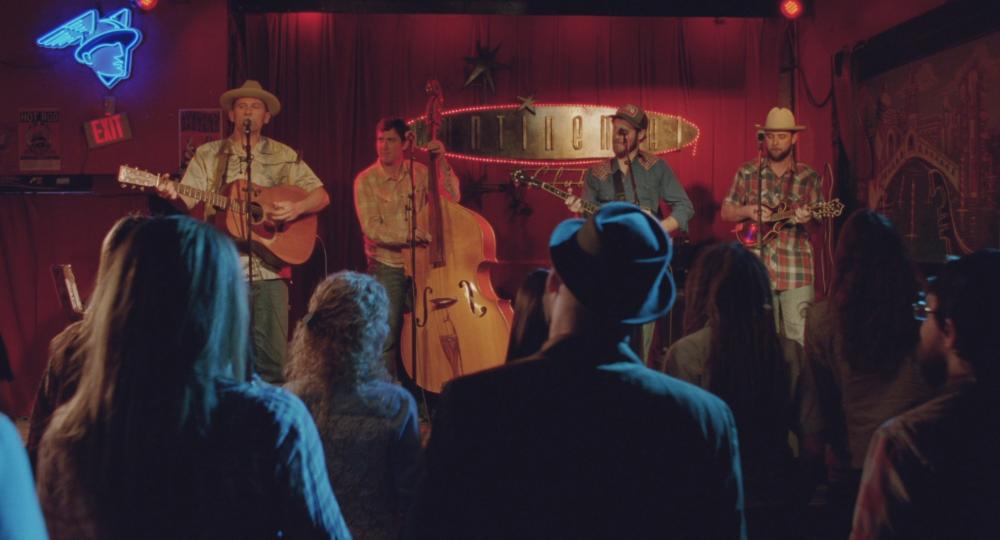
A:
(381, 201)
(789, 256)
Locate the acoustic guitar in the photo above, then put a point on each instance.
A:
(748, 235)
(276, 242)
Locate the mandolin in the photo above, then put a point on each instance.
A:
(748, 235)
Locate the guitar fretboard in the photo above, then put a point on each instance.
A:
(209, 197)
(589, 208)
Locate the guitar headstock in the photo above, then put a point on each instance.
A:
(136, 178)
(521, 178)
(829, 209)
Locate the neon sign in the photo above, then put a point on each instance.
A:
(104, 45)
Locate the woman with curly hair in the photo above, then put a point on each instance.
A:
(860, 343)
(369, 426)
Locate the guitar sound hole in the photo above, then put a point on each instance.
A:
(256, 212)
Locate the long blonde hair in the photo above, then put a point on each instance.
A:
(169, 319)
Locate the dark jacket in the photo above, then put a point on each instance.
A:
(580, 441)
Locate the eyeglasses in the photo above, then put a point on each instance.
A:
(921, 311)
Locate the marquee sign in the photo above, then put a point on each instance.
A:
(567, 133)
(104, 45)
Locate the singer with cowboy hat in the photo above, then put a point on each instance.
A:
(581, 440)
(221, 162)
(789, 255)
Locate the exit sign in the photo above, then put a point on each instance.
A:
(107, 130)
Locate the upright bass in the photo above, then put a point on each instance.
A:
(457, 325)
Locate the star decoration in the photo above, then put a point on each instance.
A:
(527, 104)
(472, 193)
(483, 65)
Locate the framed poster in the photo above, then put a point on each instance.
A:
(38, 147)
(195, 128)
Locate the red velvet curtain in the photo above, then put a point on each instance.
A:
(337, 74)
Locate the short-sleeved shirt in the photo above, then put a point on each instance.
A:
(788, 257)
(654, 180)
(381, 201)
(273, 164)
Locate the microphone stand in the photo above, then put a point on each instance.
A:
(631, 173)
(413, 262)
(251, 358)
(760, 192)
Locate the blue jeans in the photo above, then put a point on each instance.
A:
(270, 328)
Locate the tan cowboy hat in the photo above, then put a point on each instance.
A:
(780, 119)
(251, 89)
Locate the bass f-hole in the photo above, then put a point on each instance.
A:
(470, 295)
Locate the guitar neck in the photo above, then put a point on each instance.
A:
(209, 197)
(589, 208)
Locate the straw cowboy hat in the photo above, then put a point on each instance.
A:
(616, 263)
(251, 89)
(780, 119)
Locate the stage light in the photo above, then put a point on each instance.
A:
(792, 9)
(146, 5)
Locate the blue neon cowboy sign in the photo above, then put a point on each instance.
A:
(105, 45)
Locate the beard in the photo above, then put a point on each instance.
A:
(933, 366)
(621, 151)
(780, 156)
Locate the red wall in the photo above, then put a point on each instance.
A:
(181, 63)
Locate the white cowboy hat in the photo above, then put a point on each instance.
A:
(780, 119)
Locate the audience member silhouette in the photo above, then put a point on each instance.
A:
(369, 426)
(932, 472)
(859, 343)
(581, 440)
(62, 374)
(740, 357)
(530, 327)
(696, 288)
(161, 439)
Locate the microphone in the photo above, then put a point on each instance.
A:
(246, 126)
(760, 135)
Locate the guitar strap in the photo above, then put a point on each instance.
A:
(221, 174)
(619, 184)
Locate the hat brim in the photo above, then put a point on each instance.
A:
(792, 128)
(629, 120)
(636, 298)
(227, 99)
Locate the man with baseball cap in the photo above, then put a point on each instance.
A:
(581, 440)
(222, 162)
(638, 177)
(788, 256)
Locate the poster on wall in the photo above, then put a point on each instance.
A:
(195, 128)
(38, 146)
(933, 129)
